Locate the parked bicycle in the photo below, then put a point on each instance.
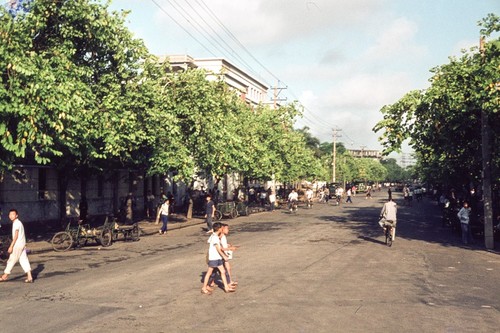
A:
(78, 236)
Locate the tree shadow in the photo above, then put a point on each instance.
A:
(421, 221)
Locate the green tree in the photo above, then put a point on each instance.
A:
(442, 123)
(395, 173)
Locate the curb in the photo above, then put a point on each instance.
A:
(148, 228)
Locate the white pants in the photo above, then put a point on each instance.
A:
(18, 254)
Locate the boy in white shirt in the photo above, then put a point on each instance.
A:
(17, 249)
(216, 259)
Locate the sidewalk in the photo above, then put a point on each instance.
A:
(147, 227)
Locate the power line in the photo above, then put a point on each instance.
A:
(233, 37)
(220, 44)
(182, 27)
(215, 40)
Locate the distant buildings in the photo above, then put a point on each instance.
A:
(406, 160)
(365, 153)
(249, 88)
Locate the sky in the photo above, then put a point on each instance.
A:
(342, 59)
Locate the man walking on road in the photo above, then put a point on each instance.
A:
(17, 249)
(209, 213)
(349, 194)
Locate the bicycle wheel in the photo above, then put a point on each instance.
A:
(234, 213)
(62, 241)
(218, 215)
(106, 237)
(135, 233)
(388, 236)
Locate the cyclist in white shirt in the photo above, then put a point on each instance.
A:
(293, 197)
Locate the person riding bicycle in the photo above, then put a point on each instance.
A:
(293, 197)
(309, 197)
(388, 217)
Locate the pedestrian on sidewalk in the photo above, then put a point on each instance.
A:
(17, 249)
(209, 213)
(272, 200)
(164, 211)
(464, 216)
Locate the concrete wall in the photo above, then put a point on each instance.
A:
(21, 189)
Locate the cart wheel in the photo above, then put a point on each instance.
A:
(135, 233)
(218, 215)
(234, 213)
(106, 238)
(62, 241)
(245, 211)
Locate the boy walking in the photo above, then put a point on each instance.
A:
(17, 249)
(216, 259)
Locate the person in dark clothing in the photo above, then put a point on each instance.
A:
(209, 213)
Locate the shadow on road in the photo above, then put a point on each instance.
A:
(422, 221)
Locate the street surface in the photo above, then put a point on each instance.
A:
(325, 269)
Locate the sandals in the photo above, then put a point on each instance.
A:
(2, 279)
(229, 290)
(28, 281)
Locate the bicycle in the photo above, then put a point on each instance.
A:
(78, 235)
(309, 203)
(388, 235)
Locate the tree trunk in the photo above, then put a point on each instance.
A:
(487, 199)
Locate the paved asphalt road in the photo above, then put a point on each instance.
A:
(321, 270)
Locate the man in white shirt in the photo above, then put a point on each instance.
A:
(17, 249)
(309, 197)
(293, 197)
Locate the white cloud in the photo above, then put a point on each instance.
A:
(397, 40)
(257, 22)
(366, 91)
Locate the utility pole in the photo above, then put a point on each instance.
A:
(334, 163)
(276, 92)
